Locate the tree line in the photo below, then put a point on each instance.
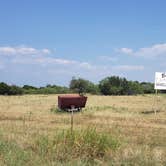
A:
(113, 85)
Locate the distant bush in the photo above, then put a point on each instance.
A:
(113, 85)
(120, 86)
(15, 90)
(4, 89)
(135, 88)
(49, 89)
(10, 90)
(147, 87)
(29, 87)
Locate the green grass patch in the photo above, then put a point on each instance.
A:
(80, 147)
(86, 145)
(105, 108)
(12, 155)
(56, 110)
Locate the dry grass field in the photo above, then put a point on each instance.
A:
(32, 132)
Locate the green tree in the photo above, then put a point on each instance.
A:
(15, 90)
(29, 87)
(135, 88)
(147, 87)
(4, 89)
(114, 86)
(83, 86)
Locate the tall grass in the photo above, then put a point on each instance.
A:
(13, 155)
(81, 146)
(32, 135)
(86, 144)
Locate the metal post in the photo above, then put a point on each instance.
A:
(155, 109)
(72, 116)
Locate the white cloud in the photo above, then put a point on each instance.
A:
(108, 58)
(51, 60)
(153, 51)
(64, 61)
(33, 56)
(22, 50)
(46, 51)
(28, 61)
(126, 50)
(86, 65)
(129, 67)
(37, 57)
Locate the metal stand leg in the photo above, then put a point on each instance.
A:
(72, 118)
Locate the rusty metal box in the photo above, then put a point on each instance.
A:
(71, 101)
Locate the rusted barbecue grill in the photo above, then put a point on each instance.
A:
(71, 101)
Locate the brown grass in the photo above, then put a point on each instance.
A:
(130, 119)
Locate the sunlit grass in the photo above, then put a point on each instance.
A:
(111, 130)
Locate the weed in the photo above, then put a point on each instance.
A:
(11, 154)
(86, 144)
(55, 110)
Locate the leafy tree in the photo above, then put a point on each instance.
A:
(108, 86)
(135, 88)
(10, 90)
(83, 86)
(4, 89)
(15, 90)
(29, 87)
(147, 87)
(114, 86)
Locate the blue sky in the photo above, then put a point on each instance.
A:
(49, 41)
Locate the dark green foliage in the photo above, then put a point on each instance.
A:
(49, 89)
(135, 88)
(4, 89)
(10, 90)
(29, 87)
(83, 86)
(120, 86)
(26, 89)
(113, 85)
(147, 87)
(15, 90)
